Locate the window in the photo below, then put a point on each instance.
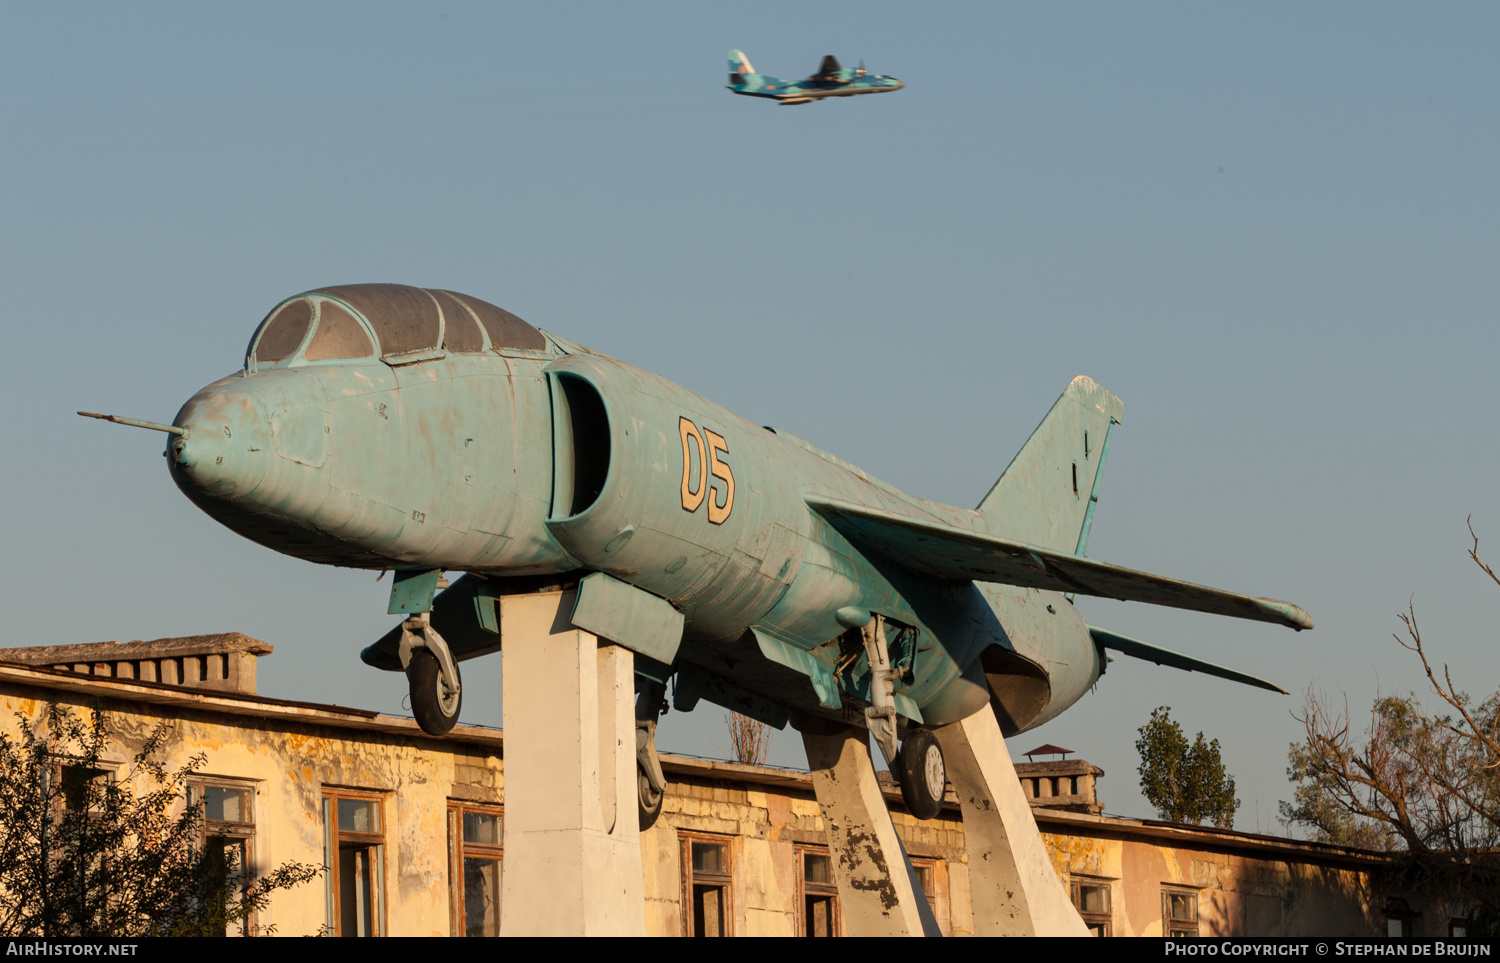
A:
(474, 868)
(932, 874)
(707, 886)
(1179, 912)
(460, 330)
(82, 788)
(338, 335)
(819, 894)
(405, 318)
(282, 333)
(1091, 899)
(354, 862)
(228, 837)
(1400, 921)
(1458, 928)
(505, 329)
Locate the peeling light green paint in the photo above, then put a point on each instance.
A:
(412, 591)
(620, 612)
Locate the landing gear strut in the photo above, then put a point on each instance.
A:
(881, 715)
(918, 764)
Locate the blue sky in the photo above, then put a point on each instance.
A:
(1270, 229)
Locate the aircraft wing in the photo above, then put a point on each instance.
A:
(945, 552)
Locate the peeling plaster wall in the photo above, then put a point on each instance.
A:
(764, 827)
(289, 767)
(1241, 894)
(291, 754)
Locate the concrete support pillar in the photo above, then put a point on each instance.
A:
(878, 887)
(572, 839)
(1014, 889)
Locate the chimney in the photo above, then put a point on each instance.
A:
(223, 662)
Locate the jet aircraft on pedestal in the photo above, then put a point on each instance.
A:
(381, 426)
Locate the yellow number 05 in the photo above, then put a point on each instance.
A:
(695, 483)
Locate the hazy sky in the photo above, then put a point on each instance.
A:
(1271, 229)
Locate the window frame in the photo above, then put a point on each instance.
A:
(1105, 919)
(103, 771)
(724, 880)
(1407, 922)
(806, 888)
(241, 831)
(1398, 910)
(937, 900)
(333, 838)
(458, 849)
(298, 356)
(1176, 927)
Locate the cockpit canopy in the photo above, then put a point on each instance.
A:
(394, 322)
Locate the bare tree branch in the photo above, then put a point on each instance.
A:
(1422, 785)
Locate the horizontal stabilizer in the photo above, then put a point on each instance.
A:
(954, 554)
(1137, 649)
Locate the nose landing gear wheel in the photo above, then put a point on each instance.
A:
(432, 702)
(923, 774)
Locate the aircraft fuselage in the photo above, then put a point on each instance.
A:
(544, 462)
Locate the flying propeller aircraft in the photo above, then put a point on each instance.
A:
(381, 426)
(831, 80)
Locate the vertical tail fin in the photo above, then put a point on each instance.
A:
(1047, 495)
(739, 67)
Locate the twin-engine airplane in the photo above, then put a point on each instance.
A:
(381, 426)
(831, 80)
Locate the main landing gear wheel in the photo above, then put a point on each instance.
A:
(432, 702)
(923, 774)
(650, 781)
(649, 799)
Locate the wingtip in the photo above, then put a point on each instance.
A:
(1285, 612)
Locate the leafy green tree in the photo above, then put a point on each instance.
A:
(1186, 782)
(82, 854)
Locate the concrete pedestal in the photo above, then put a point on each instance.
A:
(878, 887)
(1014, 888)
(572, 840)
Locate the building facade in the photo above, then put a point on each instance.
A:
(409, 828)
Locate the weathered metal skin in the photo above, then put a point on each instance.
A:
(482, 445)
(771, 563)
(378, 467)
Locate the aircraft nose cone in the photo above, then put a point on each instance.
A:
(224, 452)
